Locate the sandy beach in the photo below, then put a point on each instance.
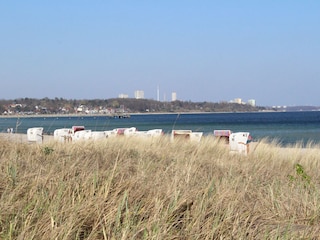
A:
(281, 151)
(22, 138)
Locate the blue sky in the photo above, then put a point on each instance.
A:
(203, 50)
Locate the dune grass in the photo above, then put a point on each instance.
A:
(127, 188)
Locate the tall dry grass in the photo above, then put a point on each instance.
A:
(126, 188)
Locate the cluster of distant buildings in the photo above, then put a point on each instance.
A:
(251, 102)
(139, 94)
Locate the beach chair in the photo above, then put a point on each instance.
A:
(239, 142)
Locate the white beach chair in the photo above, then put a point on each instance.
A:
(239, 142)
(35, 134)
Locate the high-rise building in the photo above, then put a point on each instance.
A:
(252, 102)
(173, 96)
(139, 94)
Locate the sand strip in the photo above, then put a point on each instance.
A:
(22, 138)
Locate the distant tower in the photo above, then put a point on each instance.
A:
(158, 93)
(173, 96)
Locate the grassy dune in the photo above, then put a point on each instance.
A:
(124, 188)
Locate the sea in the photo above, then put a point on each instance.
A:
(286, 128)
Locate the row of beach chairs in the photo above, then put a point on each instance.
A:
(238, 141)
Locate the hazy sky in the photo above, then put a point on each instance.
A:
(203, 50)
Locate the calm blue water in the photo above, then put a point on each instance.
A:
(286, 127)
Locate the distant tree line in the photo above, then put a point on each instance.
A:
(130, 105)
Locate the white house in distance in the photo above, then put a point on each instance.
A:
(139, 94)
(122, 95)
(237, 100)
